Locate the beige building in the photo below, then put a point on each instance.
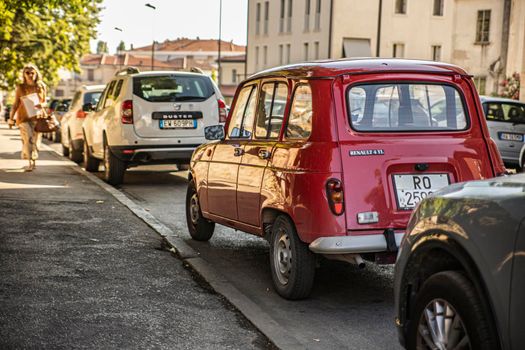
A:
(486, 37)
(231, 74)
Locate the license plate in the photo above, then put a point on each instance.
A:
(178, 124)
(510, 137)
(176, 115)
(412, 188)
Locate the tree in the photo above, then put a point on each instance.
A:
(52, 34)
(102, 47)
(121, 46)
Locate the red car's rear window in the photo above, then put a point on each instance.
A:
(406, 107)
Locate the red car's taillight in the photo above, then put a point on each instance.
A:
(81, 114)
(335, 195)
(126, 114)
(223, 114)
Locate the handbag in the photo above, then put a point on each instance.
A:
(46, 123)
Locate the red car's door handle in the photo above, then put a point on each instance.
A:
(264, 154)
(237, 152)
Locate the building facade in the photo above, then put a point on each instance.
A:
(486, 37)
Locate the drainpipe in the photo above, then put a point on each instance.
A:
(378, 39)
(330, 29)
(504, 40)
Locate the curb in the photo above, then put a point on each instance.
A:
(255, 314)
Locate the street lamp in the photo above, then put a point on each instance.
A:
(219, 73)
(152, 35)
(118, 51)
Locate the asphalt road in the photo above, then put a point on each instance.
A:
(349, 308)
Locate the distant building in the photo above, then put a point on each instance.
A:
(486, 37)
(231, 74)
(99, 68)
(200, 53)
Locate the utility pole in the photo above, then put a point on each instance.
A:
(152, 37)
(219, 73)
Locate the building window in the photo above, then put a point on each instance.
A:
(399, 50)
(257, 18)
(305, 50)
(281, 53)
(483, 27)
(281, 18)
(480, 83)
(234, 76)
(436, 52)
(288, 50)
(257, 57)
(265, 55)
(59, 93)
(316, 50)
(266, 16)
(307, 15)
(401, 6)
(317, 25)
(91, 74)
(438, 7)
(289, 19)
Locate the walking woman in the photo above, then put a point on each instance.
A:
(29, 103)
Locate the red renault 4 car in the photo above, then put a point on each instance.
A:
(330, 159)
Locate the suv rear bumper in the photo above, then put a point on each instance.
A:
(370, 243)
(154, 154)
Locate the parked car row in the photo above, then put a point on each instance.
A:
(350, 160)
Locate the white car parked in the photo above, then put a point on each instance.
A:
(150, 117)
(71, 124)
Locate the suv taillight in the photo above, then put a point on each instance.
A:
(334, 193)
(126, 114)
(81, 114)
(223, 114)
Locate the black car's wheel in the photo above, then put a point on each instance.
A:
(74, 154)
(90, 164)
(292, 263)
(114, 168)
(200, 228)
(449, 314)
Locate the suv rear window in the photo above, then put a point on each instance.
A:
(172, 88)
(406, 107)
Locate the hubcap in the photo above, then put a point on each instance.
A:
(282, 257)
(194, 209)
(440, 327)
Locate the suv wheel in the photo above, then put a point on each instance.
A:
(114, 168)
(90, 164)
(449, 314)
(200, 229)
(292, 263)
(74, 154)
(65, 151)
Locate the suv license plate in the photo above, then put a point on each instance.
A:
(412, 188)
(178, 124)
(510, 137)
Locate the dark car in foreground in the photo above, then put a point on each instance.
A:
(460, 273)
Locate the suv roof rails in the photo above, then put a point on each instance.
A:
(196, 70)
(127, 70)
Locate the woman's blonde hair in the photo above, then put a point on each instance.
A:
(38, 76)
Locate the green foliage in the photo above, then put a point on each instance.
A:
(510, 87)
(52, 34)
(102, 47)
(121, 46)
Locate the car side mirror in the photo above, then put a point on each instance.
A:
(88, 107)
(214, 132)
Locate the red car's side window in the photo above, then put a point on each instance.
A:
(300, 119)
(243, 114)
(270, 115)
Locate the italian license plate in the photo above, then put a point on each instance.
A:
(507, 136)
(411, 188)
(178, 124)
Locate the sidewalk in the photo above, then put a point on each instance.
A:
(79, 270)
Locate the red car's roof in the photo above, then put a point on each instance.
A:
(333, 68)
